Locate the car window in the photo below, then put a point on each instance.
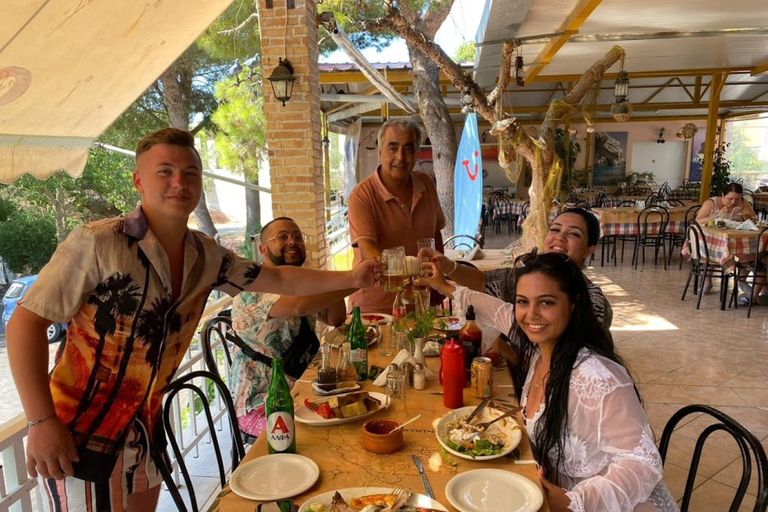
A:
(15, 291)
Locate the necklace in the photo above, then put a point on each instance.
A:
(537, 383)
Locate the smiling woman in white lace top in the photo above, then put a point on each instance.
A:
(581, 409)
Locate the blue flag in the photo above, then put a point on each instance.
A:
(468, 181)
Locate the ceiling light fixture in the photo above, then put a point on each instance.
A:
(661, 140)
(621, 110)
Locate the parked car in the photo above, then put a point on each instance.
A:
(15, 292)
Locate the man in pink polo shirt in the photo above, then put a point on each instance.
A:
(394, 206)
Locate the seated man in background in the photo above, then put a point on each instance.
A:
(275, 325)
(395, 206)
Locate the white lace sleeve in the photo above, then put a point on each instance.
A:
(620, 465)
(489, 310)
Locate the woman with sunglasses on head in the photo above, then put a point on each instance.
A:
(581, 410)
(574, 232)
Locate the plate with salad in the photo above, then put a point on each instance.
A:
(466, 441)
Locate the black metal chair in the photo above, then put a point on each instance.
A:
(457, 241)
(748, 444)
(679, 240)
(702, 266)
(651, 228)
(756, 267)
(238, 451)
(502, 208)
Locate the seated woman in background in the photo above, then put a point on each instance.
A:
(574, 232)
(729, 205)
(582, 412)
(732, 206)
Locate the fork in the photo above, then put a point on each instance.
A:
(399, 491)
(484, 426)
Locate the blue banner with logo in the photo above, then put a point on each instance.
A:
(468, 181)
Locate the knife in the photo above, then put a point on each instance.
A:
(420, 467)
(477, 410)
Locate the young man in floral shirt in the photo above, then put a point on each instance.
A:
(132, 290)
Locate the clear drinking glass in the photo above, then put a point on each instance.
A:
(387, 338)
(425, 270)
(393, 269)
(396, 391)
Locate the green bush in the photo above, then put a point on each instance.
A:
(27, 241)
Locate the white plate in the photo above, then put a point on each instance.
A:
(448, 324)
(507, 427)
(264, 479)
(311, 418)
(491, 490)
(371, 318)
(335, 337)
(418, 500)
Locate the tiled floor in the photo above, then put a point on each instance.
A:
(679, 356)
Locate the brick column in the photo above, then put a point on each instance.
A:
(293, 130)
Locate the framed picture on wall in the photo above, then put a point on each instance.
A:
(610, 161)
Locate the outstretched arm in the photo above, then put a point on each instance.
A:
(464, 275)
(303, 305)
(288, 280)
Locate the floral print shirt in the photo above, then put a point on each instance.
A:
(126, 335)
(249, 379)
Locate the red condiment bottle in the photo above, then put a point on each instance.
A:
(452, 375)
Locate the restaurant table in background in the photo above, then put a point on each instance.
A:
(494, 258)
(343, 462)
(514, 207)
(623, 221)
(726, 246)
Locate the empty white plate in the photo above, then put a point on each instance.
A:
(266, 478)
(491, 490)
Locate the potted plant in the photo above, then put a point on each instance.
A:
(721, 170)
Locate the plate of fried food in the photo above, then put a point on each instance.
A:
(340, 409)
(371, 499)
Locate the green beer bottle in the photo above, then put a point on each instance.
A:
(358, 344)
(281, 430)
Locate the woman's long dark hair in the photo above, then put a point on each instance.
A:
(583, 331)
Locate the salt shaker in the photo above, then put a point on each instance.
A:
(407, 369)
(419, 376)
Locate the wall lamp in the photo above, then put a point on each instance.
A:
(282, 80)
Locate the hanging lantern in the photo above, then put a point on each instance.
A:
(621, 110)
(519, 72)
(282, 80)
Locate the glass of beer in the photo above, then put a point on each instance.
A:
(393, 269)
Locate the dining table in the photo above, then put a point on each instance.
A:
(623, 221)
(344, 463)
(729, 246)
(493, 258)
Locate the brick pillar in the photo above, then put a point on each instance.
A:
(293, 130)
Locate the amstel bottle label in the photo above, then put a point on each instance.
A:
(280, 430)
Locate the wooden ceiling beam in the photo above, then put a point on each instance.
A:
(570, 27)
(759, 69)
(648, 74)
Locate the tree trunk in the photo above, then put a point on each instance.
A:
(58, 201)
(437, 119)
(252, 215)
(178, 113)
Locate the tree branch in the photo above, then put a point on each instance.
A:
(246, 21)
(506, 66)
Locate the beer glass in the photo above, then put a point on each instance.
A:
(425, 270)
(393, 269)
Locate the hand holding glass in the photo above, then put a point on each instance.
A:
(393, 269)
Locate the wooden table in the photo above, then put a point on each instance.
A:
(344, 463)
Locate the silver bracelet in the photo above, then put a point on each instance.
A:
(37, 422)
(455, 266)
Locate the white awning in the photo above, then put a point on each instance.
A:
(69, 68)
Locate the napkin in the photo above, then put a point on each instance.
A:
(399, 359)
(748, 225)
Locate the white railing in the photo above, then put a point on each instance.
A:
(16, 487)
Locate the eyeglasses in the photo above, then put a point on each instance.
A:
(283, 237)
(547, 259)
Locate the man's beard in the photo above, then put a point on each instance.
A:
(279, 259)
